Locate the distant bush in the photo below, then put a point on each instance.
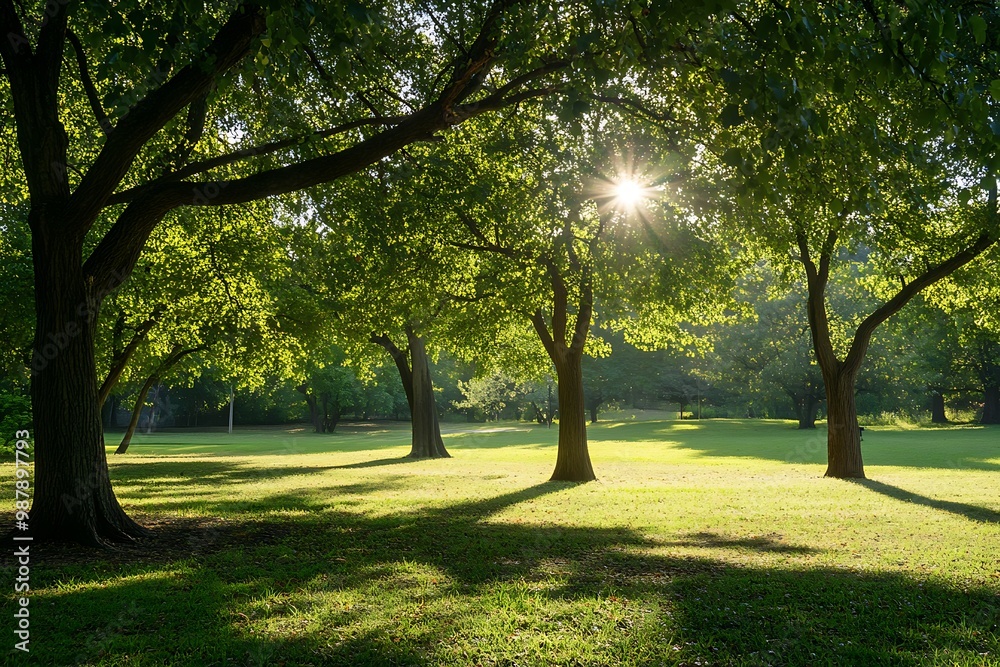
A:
(899, 418)
(15, 415)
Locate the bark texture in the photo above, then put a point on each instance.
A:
(573, 457)
(843, 432)
(73, 497)
(426, 439)
(415, 375)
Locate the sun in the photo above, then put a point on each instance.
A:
(629, 193)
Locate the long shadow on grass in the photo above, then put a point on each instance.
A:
(970, 512)
(158, 482)
(765, 543)
(378, 463)
(159, 472)
(964, 448)
(457, 584)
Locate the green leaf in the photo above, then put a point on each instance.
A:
(731, 116)
(733, 157)
(978, 25)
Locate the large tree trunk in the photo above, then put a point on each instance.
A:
(573, 458)
(938, 415)
(73, 496)
(991, 406)
(426, 431)
(843, 433)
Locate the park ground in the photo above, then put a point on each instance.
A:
(702, 543)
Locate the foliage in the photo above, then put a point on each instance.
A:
(15, 415)
(490, 395)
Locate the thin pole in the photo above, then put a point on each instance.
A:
(232, 398)
(698, 384)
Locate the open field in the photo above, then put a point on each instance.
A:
(702, 543)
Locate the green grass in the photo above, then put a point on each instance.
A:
(702, 543)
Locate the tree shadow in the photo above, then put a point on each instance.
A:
(970, 512)
(444, 584)
(763, 544)
(159, 483)
(956, 448)
(165, 472)
(378, 463)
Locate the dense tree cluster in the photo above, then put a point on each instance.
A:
(393, 208)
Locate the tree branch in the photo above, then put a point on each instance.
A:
(15, 49)
(826, 255)
(635, 105)
(121, 359)
(402, 361)
(88, 84)
(538, 320)
(202, 166)
(559, 301)
(118, 250)
(585, 313)
(863, 335)
(819, 324)
(231, 44)
(49, 47)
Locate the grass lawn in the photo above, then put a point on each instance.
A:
(702, 543)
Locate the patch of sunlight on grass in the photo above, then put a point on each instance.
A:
(71, 585)
(685, 427)
(717, 542)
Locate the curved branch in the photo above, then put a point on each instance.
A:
(121, 359)
(863, 336)
(88, 84)
(202, 166)
(231, 45)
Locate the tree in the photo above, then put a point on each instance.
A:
(415, 374)
(549, 237)
(390, 286)
(330, 392)
(139, 156)
(854, 129)
(766, 348)
(491, 394)
(221, 308)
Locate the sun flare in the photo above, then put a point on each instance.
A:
(629, 193)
